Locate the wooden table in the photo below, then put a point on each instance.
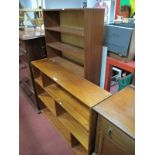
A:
(31, 47)
(112, 62)
(115, 133)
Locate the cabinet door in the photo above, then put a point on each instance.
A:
(110, 148)
(112, 141)
(36, 49)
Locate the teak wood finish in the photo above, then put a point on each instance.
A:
(115, 134)
(69, 99)
(65, 80)
(90, 94)
(77, 36)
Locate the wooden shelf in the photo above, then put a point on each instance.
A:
(64, 132)
(38, 80)
(48, 101)
(68, 30)
(70, 104)
(75, 128)
(74, 53)
(79, 150)
(74, 68)
(68, 65)
(74, 84)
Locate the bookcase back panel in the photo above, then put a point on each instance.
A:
(51, 19)
(73, 58)
(73, 18)
(51, 52)
(72, 40)
(52, 36)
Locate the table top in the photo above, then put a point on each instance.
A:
(31, 33)
(119, 109)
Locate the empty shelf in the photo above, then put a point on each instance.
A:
(67, 30)
(75, 128)
(75, 68)
(38, 80)
(57, 124)
(48, 101)
(74, 53)
(70, 104)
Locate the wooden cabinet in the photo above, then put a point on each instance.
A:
(115, 124)
(31, 47)
(76, 35)
(67, 99)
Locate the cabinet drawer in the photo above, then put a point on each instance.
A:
(117, 136)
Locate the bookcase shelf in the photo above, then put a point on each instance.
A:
(72, 52)
(78, 149)
(68, 65)
(48, 101)
(70, 104)
(75, 129)
(68, 30)
(67, 101)
(39, 81)
(57, 124)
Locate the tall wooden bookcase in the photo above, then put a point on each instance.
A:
(76, 36)
(62, 80)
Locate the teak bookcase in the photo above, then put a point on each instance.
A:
(76, 35)
(68, 99)
(62, 81)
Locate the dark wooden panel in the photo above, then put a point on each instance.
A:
(51, 52)
(94, 27)
(51, 19)
(110, 148)
(36, 48)
(92, 132)
(52, 37)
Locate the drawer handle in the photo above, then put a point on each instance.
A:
(110, 132)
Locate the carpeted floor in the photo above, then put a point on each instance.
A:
(36, 134)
